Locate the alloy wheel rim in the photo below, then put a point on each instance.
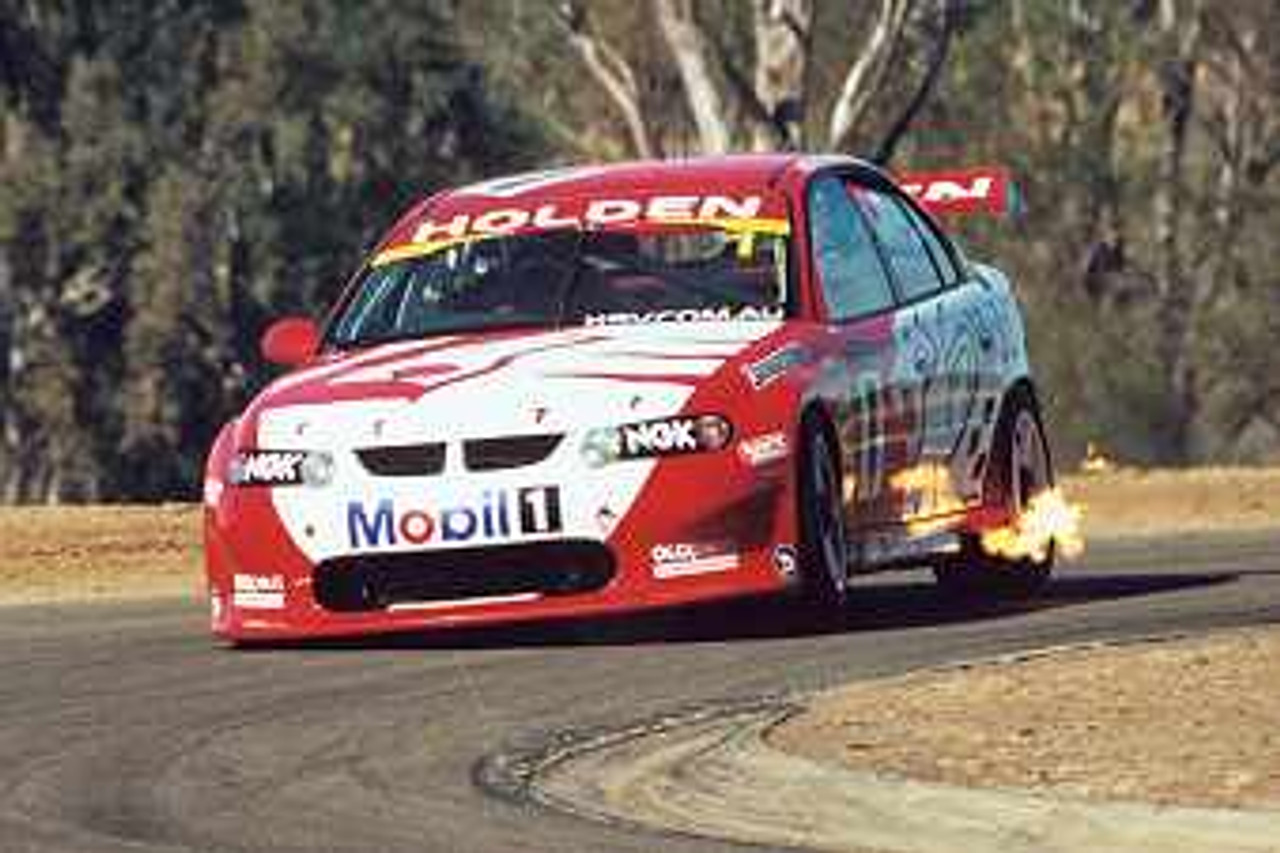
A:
(1029, 462)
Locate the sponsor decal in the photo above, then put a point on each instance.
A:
(497, 514)
(720, 314)
(257, 592)
(775, 364)
(652, 438)
(765, 449)
(983, 190)
(676, 436)
(785, 560)
(942, 191)
(591, 213)
(280, 468)
(681, 559)
(267, 468)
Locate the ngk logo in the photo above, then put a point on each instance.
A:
(268, 467)
(675, 435)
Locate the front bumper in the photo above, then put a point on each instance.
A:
(737, 540)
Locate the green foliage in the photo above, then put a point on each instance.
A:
(1074, 98)
(177, 173)
(174, 173)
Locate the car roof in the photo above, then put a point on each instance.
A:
(710, 173)
(722, 175)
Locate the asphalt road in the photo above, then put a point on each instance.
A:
(126, 728)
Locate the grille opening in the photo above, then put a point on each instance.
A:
(516, 451)
(405, 460)
(369, 582)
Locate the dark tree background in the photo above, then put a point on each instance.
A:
(174, 173)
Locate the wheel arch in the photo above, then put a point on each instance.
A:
(1026, 386)
(815, 412)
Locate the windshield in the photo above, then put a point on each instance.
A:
(568, 277)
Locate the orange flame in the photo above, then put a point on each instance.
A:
(1095, 461)
(934, 480)
(1049, 520)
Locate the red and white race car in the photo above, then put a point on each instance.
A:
(619, 387)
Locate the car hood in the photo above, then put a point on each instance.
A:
(494, 384)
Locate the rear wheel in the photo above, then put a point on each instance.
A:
(1020, 470)
(824, 549)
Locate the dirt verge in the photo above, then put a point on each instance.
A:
(70, 553)
(1137, 502)
(66, 553)
(1191, 723)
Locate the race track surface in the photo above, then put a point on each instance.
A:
(126, 728)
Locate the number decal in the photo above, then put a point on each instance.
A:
(871, 435)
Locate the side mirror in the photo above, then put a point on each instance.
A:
(291, 341)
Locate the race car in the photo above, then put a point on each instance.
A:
(602, 389)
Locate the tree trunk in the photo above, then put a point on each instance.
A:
(866, 76)
(1176, 344)
(8, 429)
(613, 74)
(689, 49)
(940, 45)
(782, 40)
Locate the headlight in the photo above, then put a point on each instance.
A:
(674, 436)
(280, 468)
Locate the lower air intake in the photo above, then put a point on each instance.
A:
(370, 582)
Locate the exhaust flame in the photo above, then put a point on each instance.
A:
(1049, 520)
(933, 480)
(1095, 461)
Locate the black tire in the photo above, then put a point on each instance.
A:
(1020, 469)
(824, 548)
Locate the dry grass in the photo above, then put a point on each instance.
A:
(1191, 723)
(86, 553)
(1133, 502)
(78, 553)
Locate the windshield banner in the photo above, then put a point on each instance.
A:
(749, 213)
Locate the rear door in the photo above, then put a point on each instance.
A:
(967, 397)
(860, 301)
(922, 486)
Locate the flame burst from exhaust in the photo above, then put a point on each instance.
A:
(1049, 521)
(931, 483)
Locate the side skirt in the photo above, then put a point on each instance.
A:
(878, 552)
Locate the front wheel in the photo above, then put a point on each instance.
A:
(824, 549)
(1021, 469)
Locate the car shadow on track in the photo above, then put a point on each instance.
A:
(876, 606)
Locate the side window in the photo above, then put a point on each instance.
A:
(905, 248)
(854, 282)
(941, 257)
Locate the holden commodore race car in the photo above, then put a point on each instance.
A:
(603, 389)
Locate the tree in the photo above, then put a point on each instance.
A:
(760, 98)
(176, 173)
